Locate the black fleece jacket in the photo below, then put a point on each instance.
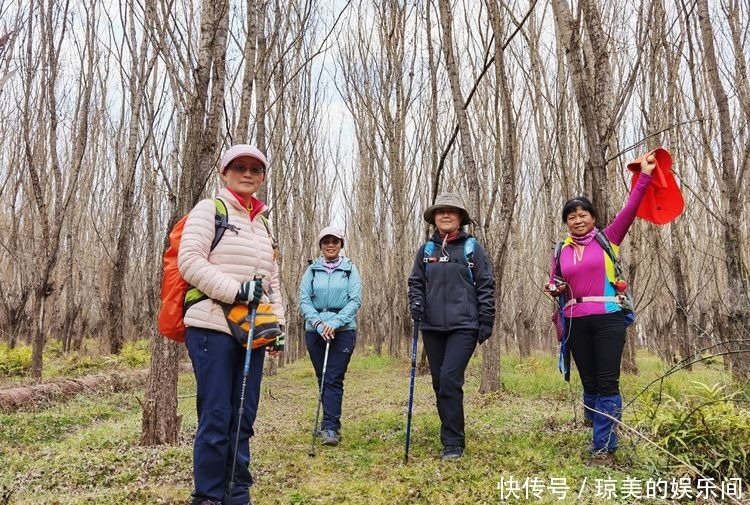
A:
(450, 300)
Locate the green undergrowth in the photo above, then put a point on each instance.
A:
(15, 364)
(85, 451)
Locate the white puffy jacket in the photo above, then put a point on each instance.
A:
(239, 256)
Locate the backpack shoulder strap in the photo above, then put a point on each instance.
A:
(312, 280)
(427, 250)
(266, 223)
(221, 222)
(469, 247)
(605, 244)
(558, 251)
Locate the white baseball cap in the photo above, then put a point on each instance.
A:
(333, 231)
(239, 150)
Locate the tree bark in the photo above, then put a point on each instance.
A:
(160, 422)
(592, 86)
(467, 150)
(140, 70)
(737, 274)
(506, 161)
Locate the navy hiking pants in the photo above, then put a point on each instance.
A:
(339, 355)
(448, 353)
(218, 362)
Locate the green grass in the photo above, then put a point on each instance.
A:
(85, 450)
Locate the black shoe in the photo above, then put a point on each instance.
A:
(330, 438)
(452, 452)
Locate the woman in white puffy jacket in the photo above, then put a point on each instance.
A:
(240, 268)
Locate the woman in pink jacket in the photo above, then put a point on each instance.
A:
(595, 321)
(239, 269)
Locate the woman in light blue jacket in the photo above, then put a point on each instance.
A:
(330, 295)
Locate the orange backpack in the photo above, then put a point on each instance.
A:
(173, 287)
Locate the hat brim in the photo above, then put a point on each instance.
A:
(429, 214)
(320, 240)
(243, 155)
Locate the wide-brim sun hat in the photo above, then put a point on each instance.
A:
(239, 150)
(447, 200)
(332, 231)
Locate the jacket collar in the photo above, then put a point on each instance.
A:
(254, 206)
(345, 265)
(462, 235)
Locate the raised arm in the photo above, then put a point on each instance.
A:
(617, 230)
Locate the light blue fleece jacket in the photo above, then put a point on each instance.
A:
(331, 298)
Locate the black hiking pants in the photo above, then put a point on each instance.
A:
(448, 353)
(597, 342)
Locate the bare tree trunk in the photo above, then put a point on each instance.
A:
(53, 204)
(681, 295)
(248, 79)
(467, 149)
(737, 273)
(160, 422)
(593, 90)
(140, 69)
(506, 160)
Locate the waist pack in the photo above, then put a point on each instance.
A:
(267, 329)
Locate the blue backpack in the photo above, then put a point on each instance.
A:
(469, 246)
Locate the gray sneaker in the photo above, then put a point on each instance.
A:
(330, 437)
(452, 452)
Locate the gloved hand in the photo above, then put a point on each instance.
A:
(417, 311)
(250, 292)
(485, 331)
(280, 343)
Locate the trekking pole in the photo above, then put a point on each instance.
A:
(320, 400)
(411, 388)
(245, 373)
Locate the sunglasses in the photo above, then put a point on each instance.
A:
(329, 241)
(243, 170)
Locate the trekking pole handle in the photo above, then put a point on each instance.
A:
(254, 304)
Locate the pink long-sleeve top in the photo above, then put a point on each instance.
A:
(589, 271)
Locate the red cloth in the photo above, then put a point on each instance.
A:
(663, 201)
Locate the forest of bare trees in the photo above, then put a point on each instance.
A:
(113, 116)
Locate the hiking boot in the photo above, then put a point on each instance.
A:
(330, 437)
(601, 458)
(452, 452)
(209, 502)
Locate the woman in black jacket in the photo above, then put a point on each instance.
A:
(452, 296)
